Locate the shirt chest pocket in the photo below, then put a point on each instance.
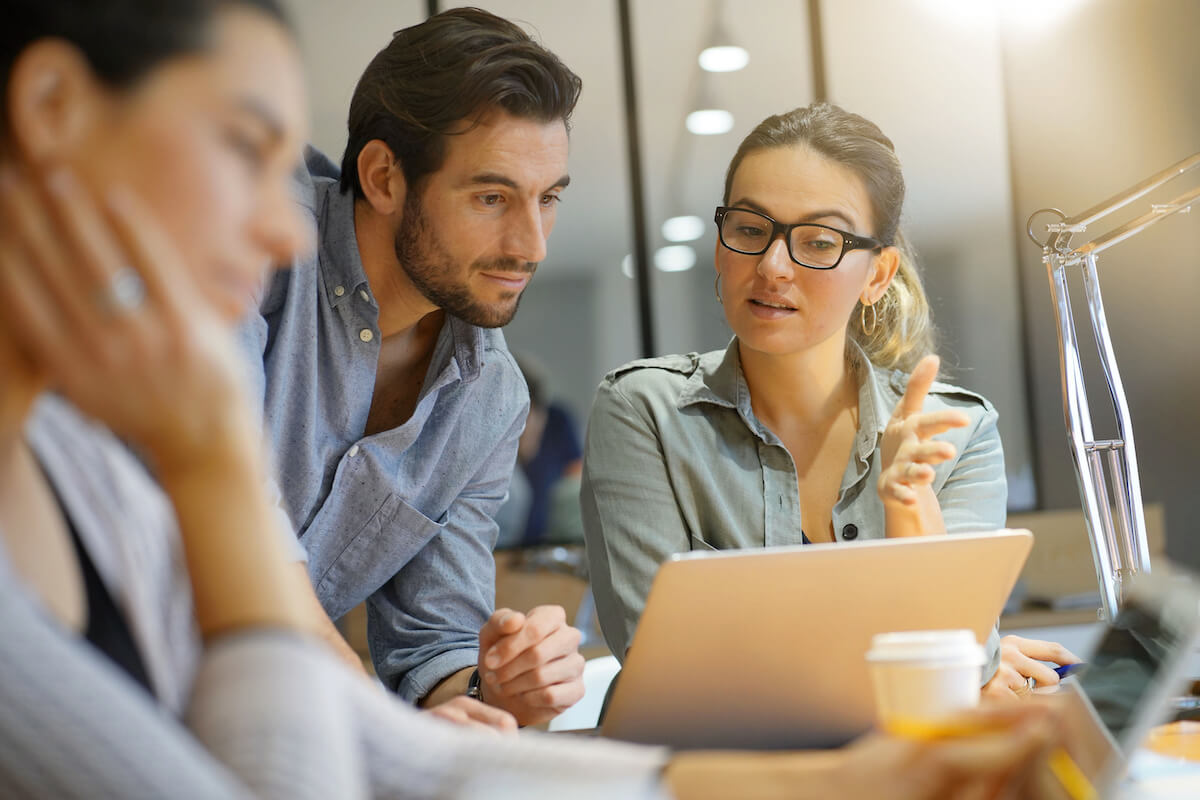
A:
(390, 538)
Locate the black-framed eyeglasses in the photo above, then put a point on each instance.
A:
(809, 244)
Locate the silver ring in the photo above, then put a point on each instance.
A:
(125, 292)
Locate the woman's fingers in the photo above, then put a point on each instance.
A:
(901, 482)
(472, 713)
(71, 269)
(919, 383)
(1020, 660)
(913, 467)
(1042, 674)
(901, 492)
(910, 422)
(1043, 650)
(116, 291)
(1006, 684)
(44, 312)
(928, 425)
(996, 764)
(150, 251)
(93, 252)
(28, 230)
(100, 303)
(1026, 657)
(925, 452)
(28, 316)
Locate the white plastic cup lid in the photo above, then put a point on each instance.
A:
(939, 647)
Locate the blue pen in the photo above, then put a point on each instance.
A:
(1067, 669)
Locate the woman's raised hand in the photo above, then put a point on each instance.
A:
(100, 302)
(909, 453)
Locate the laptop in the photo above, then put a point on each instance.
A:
(765, 649)
(1143, 660)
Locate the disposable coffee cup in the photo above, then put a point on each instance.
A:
(921, 678)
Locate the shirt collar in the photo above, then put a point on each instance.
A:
(342, 267)
(716, 381)
(341, 264)
(877, 397)
(722, 382)
(470, 341)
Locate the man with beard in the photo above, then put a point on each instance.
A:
(392, 404)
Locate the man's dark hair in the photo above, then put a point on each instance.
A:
(123, 40)
(454, 66)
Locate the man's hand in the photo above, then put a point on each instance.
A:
(1020, 660)
(474, 714)
(530, 664)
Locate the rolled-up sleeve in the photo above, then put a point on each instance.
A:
(975, 495)
(423, 625)
(631, 516)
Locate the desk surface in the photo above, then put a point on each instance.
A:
(1168, 765)
(1176, 740)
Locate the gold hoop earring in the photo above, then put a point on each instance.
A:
(717, 288)
(863, 319)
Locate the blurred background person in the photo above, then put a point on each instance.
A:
(543, 504)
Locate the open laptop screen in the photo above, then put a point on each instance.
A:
(1135, 659)
(1127, 664)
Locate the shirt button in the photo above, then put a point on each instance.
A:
(363, 294)
(366, 335)
(339, 290)
(850, 532)
(353, 451)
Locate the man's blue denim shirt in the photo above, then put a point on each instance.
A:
(403, 518)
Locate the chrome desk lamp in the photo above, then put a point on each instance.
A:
(1106, 469)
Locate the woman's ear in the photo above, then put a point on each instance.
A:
(53, 99)
(883, 270)
(381, 178)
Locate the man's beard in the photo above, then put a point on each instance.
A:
(430, 269)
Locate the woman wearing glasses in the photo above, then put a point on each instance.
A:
(818, 422)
